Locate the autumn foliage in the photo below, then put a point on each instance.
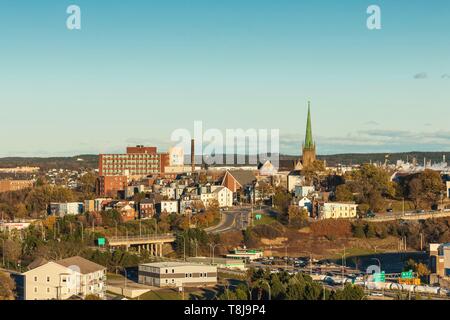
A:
(331, 229)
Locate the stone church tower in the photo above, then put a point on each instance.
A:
(309, 147)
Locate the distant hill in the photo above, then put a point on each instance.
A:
(72, 163)
(91, 161)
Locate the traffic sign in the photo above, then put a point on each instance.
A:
(101, 242)
(258, 217)
(379, 277)
(407, 275)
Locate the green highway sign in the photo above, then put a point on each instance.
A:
(407, 275)
(101, 242)
(379, 277)
(258, 217)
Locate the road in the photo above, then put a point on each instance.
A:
(231, 220)
(410, 215)
(235, 219)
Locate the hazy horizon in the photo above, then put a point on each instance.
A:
(138, 70)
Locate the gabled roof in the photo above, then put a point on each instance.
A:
(37, 263)
(84, 265)
(243, 177)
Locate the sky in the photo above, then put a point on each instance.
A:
(138, 70)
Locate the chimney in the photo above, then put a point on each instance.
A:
(192, 155)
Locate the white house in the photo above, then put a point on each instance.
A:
(224, 196)
(304, 191)
(306, 204)
(67, 208)
(294, 179)
(337, 210)
(169, 206)
(267, 169)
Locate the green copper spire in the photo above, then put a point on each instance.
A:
(309, 143)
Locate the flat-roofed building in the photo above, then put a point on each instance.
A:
(222, 263)
(110, 186)
(138, 161)
(247, 255)
(177, 274)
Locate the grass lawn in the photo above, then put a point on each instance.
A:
(265, 219)
(113, 276)
(160, 295)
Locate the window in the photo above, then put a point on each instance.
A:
(35, 289)
(35, 279)
(48, 279)
(173, 270)
(48, 290)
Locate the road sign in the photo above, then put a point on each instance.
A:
(379, 277)
(407, 275)
(101, 242)
(258, 217)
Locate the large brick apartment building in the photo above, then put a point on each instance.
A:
(137, 162)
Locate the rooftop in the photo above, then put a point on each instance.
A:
(85, 265)
(171, 264)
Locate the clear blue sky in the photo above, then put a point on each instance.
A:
(140, 69)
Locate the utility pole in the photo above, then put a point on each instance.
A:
(421, 241)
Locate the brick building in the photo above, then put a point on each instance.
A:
(138, 161)
(110, 186)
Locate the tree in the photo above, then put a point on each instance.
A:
(358, 230)
(415, 189)
(7, 287)
(13, 251)
(297, 216)
(278, 290)
(92, 297)
(343, 193)
(350, 292)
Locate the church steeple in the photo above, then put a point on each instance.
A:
(309, 143)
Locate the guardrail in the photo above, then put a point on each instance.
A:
(166, 236)
(411, 216)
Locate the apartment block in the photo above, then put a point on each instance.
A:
(138, 161)
(110, 186)
(61, 280)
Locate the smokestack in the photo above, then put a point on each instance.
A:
(192, 155)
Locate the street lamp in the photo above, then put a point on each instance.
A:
(379, 262)
(212, 247)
